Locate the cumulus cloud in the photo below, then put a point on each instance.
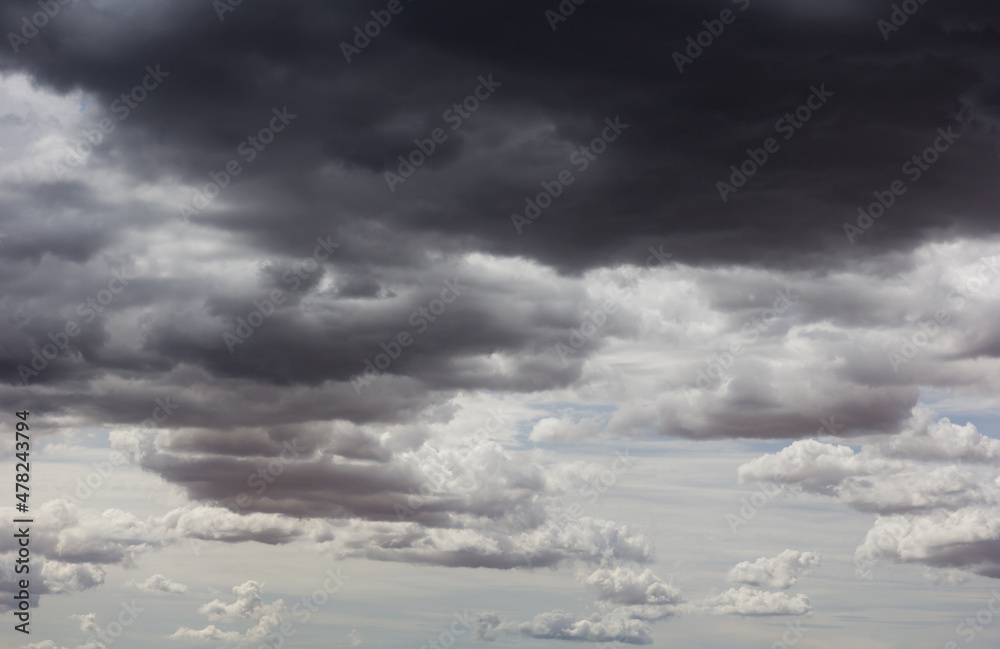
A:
(781, 572)
(62, 577)
(927, 439)
(249, 598)
(966, 539)
(615, 626)
(57, 577)
(159, 584)
(628, 599)
(551, 429)
(210, 633)
(72, 547)
(249, 606)
(874, 479)
(551, 539)
(625, 585)
(70, 534)
(752, 602)
(935, 486)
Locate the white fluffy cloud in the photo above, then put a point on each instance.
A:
(935, 486)
(210, 633)
(249, 598)
(625, 585)
(533, 538)
(62, 577)
(752, 602)
(615, 626)
(781, 572)
(160, 584)
(249, 606)
(928, 440)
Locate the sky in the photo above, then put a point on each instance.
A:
(418, 324)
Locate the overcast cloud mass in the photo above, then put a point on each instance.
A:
(404, 324)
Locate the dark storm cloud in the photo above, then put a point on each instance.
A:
(323, 175)
(656, 183)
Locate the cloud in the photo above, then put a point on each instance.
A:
(781, 572)
(624, 585)
(88, 622)
(935, 486)
(966, 539)
(752, 602)
(221, 524)
(249, 598)
(249, 606)
(929, 440)
(160, 584)
(354, 638)
(208, 634)
(64, 577)
(627, 601)
(551, 429)
(615, 626)
(57, 577)
(549, 540)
